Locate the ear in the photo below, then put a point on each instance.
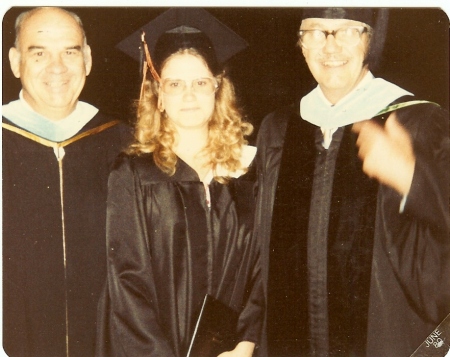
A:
(87, 59)
(160, 102)
(303, 50)
(14, 61)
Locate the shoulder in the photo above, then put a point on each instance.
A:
(141, 167)
(273, 126)
(416, 107)
(112, 129)
(108, 122)
(277, 119)
(99, 119)
(4, 120)
(7, 125)
(427, 117)
(428, 126)
(135, 163)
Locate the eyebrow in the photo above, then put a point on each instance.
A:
(32, 48)
(78, 48)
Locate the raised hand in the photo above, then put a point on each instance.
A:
(387, 153)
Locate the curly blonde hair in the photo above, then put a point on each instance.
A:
(155, 133)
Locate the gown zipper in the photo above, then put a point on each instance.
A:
(58, 149)
(59, 153)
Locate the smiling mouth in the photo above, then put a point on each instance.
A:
(334, 63)
(56, 84)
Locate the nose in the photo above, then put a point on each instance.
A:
(331, 44)
(189, 90)
(56, 65)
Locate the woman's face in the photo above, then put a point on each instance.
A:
(186, 93)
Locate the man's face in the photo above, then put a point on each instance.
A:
(337, 69)
(52, 62)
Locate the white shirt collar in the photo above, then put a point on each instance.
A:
(247, 156)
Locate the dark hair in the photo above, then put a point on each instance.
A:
(185, 38)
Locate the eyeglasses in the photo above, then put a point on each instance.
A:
(204, 85)
(346, 36)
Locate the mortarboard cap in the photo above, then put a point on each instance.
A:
(365, 15)
(180, 28)
(377, 18)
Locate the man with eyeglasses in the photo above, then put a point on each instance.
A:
(353, 211)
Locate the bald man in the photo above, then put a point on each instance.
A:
(57, 153)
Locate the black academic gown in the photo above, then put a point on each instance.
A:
(54, 258)
(166, 250)
(345, 272)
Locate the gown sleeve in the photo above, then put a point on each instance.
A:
(418, 242)
(251, 317)
(134, 327)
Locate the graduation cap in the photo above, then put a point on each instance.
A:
(180, 28)
(365, 15)
(376, 18)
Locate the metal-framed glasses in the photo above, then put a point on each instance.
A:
(345, 36)
(205, 85)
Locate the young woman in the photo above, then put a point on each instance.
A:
(180, 211)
